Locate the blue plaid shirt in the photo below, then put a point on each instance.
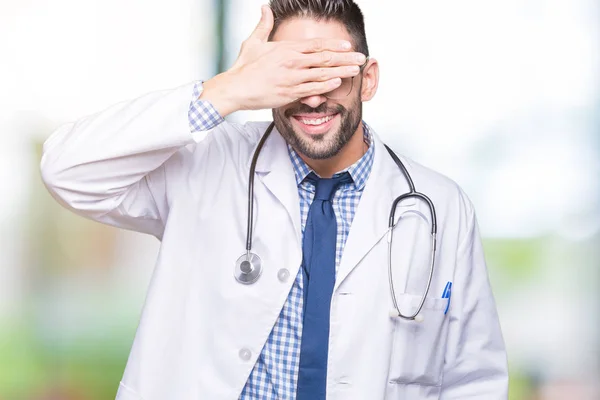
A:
(275, 375)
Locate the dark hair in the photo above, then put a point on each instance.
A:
(346, 12)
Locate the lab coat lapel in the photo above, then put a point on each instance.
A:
(274, 169)
(370, 223)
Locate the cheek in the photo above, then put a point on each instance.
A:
(280, 113)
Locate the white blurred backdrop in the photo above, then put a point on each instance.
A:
(502, 96)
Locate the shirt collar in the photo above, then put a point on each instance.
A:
(359, 171)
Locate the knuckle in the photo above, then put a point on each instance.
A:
(326, 58)
(289, 63)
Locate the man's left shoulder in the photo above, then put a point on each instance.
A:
(425, 177)
(444, 192)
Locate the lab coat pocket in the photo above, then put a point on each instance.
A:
(418, 347)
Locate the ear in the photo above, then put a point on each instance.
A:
(370, 80)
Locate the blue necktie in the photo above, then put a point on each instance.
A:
(318, 264)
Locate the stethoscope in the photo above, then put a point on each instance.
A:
(248, 267)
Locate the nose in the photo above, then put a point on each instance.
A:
(313, 101)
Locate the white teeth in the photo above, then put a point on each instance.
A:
(318, 121)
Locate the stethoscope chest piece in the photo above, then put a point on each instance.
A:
(248, 268)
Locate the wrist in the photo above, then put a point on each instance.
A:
(219, 91)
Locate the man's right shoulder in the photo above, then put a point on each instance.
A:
(226, 141)
(237, 137)
(251, 131)
(233, 133)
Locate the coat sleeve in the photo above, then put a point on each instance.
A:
(109, 167)
(475, 363)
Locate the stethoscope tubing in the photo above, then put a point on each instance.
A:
(250, 220)
(391, 225)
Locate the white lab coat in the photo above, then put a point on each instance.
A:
(136, 166)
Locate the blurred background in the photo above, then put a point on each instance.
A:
(503, 96)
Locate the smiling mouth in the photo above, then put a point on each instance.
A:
(315, 125)
(315, 121)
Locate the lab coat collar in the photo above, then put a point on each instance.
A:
(370, 223)
(271, 153)
(274, 169)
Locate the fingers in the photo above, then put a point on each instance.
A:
(326, 74)
(321, 44)
(331, 59)
(316, 88)
(265, 25)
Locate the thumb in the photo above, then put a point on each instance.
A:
(264, 27)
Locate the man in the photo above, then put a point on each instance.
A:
(315, 323)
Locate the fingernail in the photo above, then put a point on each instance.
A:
(346, 45)
(361, 58)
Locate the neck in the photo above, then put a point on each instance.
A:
(353, 151)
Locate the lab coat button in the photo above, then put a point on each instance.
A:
(245, 354)
(283, 275)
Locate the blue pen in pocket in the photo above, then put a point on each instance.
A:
(447, 294)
